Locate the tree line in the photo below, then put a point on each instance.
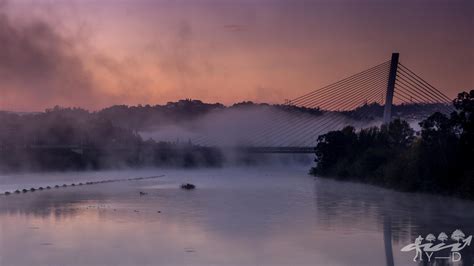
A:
(438, 159)
(75, 139)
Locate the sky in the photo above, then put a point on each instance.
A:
(97, 53)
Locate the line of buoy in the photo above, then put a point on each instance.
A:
(18, 191)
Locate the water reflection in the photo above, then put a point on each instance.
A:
(234, 217)
(400, 216)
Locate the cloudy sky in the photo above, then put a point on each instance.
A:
(95, 53)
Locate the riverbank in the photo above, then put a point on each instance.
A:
(438, 159)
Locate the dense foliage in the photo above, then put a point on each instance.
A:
(440, 159)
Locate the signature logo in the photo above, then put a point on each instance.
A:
(440, 244)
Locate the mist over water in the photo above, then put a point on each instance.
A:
(255, 126)
(236, 216)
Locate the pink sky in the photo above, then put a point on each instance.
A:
(99, 53)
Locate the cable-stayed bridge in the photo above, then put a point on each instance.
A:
(368, 98)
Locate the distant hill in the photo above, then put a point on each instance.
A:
(404, 111)
(143, 117)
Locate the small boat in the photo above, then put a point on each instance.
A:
(188, 186)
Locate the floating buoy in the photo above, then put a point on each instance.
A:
(184, 186)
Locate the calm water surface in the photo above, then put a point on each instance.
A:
(254, 216)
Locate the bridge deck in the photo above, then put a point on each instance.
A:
(280, 149)
(81, 148)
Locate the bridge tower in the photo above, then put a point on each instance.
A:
(392, 76)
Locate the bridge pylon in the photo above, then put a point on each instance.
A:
(392, 77)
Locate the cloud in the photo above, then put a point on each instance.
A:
(40, 67)
(181, 57)
(235, 27)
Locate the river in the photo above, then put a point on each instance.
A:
(236, 216)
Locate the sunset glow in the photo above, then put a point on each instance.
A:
(99, 53)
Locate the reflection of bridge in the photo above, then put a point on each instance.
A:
(295, 126)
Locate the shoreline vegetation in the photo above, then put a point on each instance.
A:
(70, 139)
(140, 154)
(439, 159)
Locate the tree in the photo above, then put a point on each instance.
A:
(398, 133)
(430, 238)
(442, 237)
(464, 120)
(464, 103)
(457, 235)
(332, 148)
(437, 128)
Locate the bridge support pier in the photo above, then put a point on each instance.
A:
(392, 76)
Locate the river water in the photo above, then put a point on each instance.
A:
(235, 216)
